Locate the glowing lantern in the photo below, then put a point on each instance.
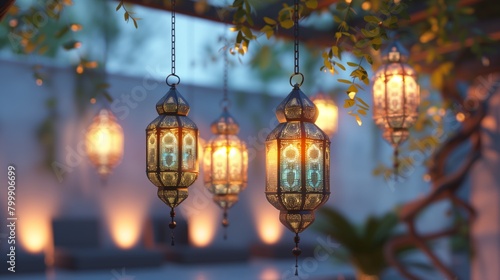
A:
(396, 97)
(104, 142)
(297, 157)
(225, 163)
(172, 143)
(297, 163)
(172, 147)
(328, 113)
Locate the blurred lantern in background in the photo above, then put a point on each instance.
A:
(225, 161)
(297, 158)
(396, 97)
(104, 142)
(328, 113)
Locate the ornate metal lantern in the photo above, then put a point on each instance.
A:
(328, 113)
(225, 163)
(172, 144)
(104, 142)
(297, 158)
(396, 97)
(297, 163)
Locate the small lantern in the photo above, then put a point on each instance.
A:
(328, 113)
(104, 142)
(225, 163)
(396, 97)
(171, 153)
(297, 163)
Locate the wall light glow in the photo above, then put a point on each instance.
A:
(124, 221)
(202, 227)
(269, 228)
(34, 233)
(269, 273)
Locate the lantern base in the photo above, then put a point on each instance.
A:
(172, 196)
(297, 221)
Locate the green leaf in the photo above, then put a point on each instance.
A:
(352, 88)
(135, 22)
(119, 5)
(335, 51)
(358, 118)
(372, 19)
(344, 81)
(340, 66)
(362, 112)
(352, 64)
(312, 4)
(270, 21)
(287, 24)
(362, 102)
(126, 16)
(348, 103)
(61, 32)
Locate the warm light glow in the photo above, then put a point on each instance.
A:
(104, 142)
(124, 221)
(328, 114)
(39, 82)
(269, 227)
(79, 69)
(366, 5)
(202, 226)
(76, 27)
(125, 231)
(13, 23)
(34, 233)
(460, 117)
(270, 273)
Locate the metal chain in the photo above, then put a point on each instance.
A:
(225, 99)
(173, 37)
(296, 36)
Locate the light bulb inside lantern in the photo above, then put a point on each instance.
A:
(104, 142)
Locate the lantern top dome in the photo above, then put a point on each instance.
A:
(296, 107)
(225, 125)
(395, 52)
(173, 103)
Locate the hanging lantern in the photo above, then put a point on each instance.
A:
(104, 142)
(328, 113)
(225, 163)
(396, 97)
(172, 144)
(297, 158)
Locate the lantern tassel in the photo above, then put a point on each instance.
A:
(225, 223)
(172, 225)
(296, 252)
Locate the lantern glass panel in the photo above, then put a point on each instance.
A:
(271, 166)
(188, 150)
(314, 165)
(151, 150)
(290, 165)
(169, 149)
